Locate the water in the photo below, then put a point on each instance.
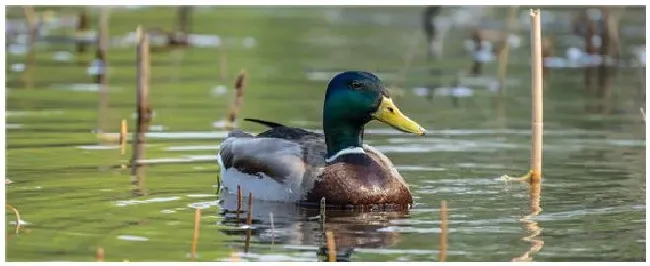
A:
(74, 197)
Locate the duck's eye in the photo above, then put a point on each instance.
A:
(356, 85)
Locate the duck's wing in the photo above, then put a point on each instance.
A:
(290, 156)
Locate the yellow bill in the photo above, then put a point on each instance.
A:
(390, 114)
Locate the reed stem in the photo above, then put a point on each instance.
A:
(143, 111)
(331, 247)
(537, 92)
(239, 202)
(123, 134)
(197, 224)
(249, 221)
(443, 231)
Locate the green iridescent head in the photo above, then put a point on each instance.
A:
(353, 99)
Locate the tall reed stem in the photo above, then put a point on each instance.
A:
(537, 92)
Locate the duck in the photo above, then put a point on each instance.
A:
(289, 164)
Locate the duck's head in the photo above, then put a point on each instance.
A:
(358, 97)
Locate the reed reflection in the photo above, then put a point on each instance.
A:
(530, 225)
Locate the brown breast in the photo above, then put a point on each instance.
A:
(360, 179)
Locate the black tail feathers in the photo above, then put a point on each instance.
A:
(266, 123)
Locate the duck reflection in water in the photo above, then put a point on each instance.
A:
(296, 225)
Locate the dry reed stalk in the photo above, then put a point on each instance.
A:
(505, 52)
(144, 113)
(537, 92)
(100, 78)
(443, 231)
(235, 108)
(249, 218)
(27, 76)
(123, 132)
(100, 254)
(239, 201)
(331, 247)
(197, 224)
(17, 216)
(249, 221)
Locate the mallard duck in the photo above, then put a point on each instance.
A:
(296, 165)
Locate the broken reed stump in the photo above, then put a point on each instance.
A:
(331, 247)
(239, 202)
(197, 224)
(537, 99)
(143, 112)
(238, 101)
(123, 133)
(32, 25)
(101, 64)
(83, 24)
(100, 254)
(249, 222)
(442, 256)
